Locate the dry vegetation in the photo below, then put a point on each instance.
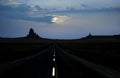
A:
(103, 52)
(12, 49)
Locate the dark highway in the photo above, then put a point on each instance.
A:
(54, 62)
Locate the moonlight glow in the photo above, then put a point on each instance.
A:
(59, 19)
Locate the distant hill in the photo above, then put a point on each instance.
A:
(102, 37)
(33, 35)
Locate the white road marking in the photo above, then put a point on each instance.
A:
(53, 70)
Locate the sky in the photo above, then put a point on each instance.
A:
(59, 19)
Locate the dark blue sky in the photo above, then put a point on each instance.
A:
(63, 19)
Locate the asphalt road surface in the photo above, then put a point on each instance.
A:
(36, 66)
(70, 66)
(66, 66)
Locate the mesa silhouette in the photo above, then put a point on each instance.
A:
(33, 35)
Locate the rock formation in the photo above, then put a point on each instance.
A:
(32, 34)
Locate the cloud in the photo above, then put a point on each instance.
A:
(37, 5)
(13, 3)
(43, 11)
(24, 16)
(63, 4)
(83, 5)
(23, 13)
(60, 19)
(21, 8)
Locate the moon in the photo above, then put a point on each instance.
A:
(59, 19)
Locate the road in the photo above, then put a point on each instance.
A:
(70, 66)
(36, 66)
(66, 66)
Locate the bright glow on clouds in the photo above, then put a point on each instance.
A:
(59, 19)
